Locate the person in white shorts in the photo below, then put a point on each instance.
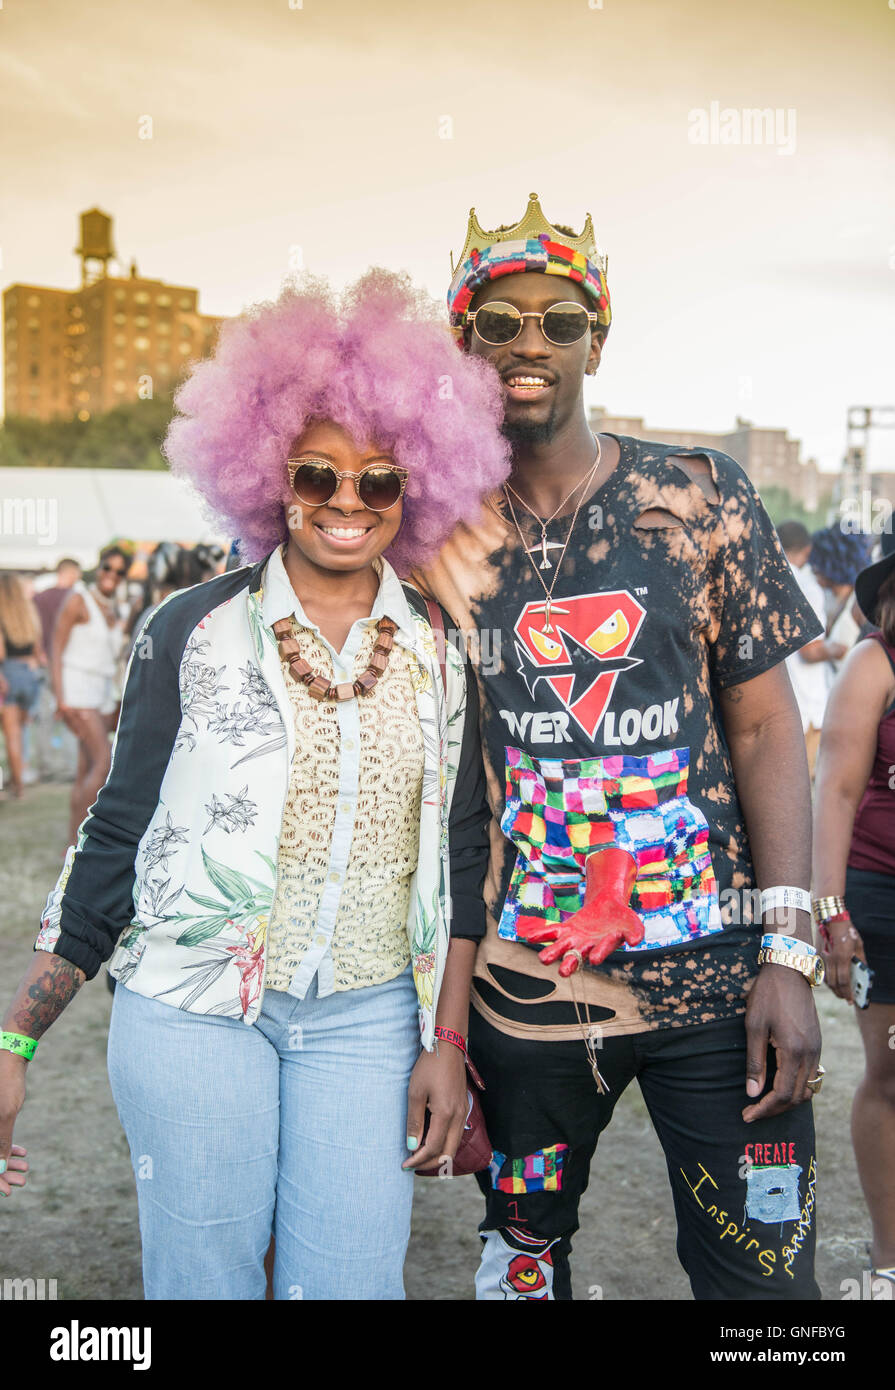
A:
(86, 643)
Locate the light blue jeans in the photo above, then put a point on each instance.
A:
(294, 1126)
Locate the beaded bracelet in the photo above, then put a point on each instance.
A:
(18, 1044)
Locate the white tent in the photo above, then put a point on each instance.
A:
(49, 513)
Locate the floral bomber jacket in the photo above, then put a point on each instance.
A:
(175, 868)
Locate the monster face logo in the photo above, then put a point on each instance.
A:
(516, 1275)
(528, 1277)
(583, 652)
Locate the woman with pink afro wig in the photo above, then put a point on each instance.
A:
(380, 363)
(286, 861)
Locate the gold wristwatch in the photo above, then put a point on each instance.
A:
(812, 967)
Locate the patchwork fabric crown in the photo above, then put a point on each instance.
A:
(531, 244)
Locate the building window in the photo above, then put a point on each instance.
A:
(163, 348)
(163, 301)
(120, 295)
(76, 311)
(186, 330)
(119, 318)
(120, 364)
(35, 369)
(141, 344)
(34, 301)
(186, 301)
(184, 349)
(120, 340)
(11, 323)
(163, 327)
(120, 388)
(34, 324)
(141, 321)
(84, 415)
(141, 297)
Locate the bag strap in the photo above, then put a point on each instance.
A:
(436, 622)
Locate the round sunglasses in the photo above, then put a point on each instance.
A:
(562, 324)
(379, 486)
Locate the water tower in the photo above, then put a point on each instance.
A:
(96, 248)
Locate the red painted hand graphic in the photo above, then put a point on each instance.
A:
(603, 922)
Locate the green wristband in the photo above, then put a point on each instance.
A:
(19, 1044)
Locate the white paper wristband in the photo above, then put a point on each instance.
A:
(798, 898)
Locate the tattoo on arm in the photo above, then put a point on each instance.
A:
(43, 994)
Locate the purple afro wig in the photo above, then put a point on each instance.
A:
(380, 362)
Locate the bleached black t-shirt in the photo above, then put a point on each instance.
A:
(602, 727)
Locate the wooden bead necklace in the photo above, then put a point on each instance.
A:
(318, 686)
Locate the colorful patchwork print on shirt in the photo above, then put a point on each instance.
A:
(558, 812)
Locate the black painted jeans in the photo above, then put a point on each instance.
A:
(744, 1194)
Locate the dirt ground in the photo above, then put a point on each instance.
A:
(76, 1221)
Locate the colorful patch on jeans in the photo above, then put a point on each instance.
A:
(560, 811)
(537, 1172)
(772, 1193)
(512, 1274)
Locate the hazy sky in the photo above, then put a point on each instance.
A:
(753, 279)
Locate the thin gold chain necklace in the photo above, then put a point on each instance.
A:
(592, 1034)
(543, 545)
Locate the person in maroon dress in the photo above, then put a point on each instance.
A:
(854, 881)
(49, 601)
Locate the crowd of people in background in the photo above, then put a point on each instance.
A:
(64, 650)
(826, 565)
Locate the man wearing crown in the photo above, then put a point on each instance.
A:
(629, 610)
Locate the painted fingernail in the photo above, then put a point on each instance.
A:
(412, 1143)
(2, 1165)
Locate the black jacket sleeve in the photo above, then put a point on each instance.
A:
(468, 825)
(93, 901)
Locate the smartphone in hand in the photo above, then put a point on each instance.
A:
(861, 982)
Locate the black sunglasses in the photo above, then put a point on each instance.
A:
(379, 486)
(562, 324)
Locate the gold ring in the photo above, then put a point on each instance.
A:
(576, 954)
(816, 1082)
